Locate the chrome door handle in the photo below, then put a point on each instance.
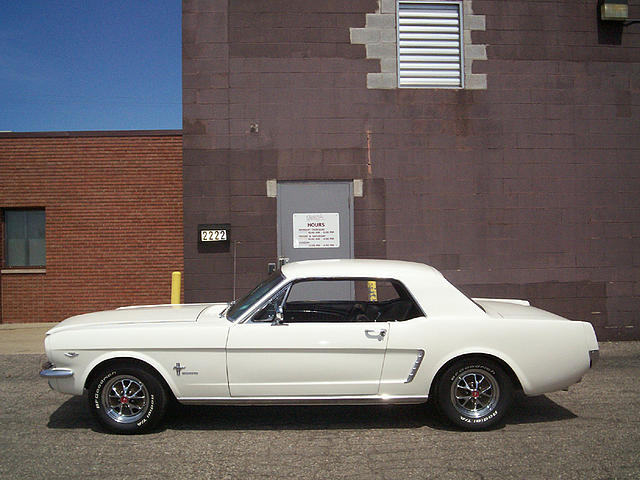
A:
(378, 333)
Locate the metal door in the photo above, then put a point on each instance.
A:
(315, 221)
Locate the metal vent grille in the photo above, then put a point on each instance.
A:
(430, 44)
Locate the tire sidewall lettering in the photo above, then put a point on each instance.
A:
(481, 419)
(472, 367)
(149, 412)
(98, 389)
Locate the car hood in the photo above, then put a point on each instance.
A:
(515, 309)
(137, 315)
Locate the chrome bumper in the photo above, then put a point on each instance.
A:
(49, 370)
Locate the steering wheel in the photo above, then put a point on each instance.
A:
(358, 313)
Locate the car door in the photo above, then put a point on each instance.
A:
(325, 349)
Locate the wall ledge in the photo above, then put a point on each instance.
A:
(12, 271)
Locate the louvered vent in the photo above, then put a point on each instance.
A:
(430, 44)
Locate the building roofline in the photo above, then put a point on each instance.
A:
(93, 133)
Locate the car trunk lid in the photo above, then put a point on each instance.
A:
(515, 309)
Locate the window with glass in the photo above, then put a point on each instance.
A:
(340, 301)
(24, 232)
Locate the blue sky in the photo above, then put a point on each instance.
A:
(90, 65)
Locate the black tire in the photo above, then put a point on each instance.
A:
(474, 393)
(127, 399)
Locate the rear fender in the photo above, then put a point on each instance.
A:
(501, 357)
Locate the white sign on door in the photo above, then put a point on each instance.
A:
(316, 230)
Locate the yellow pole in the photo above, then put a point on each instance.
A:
(372, 286)
(175, 288)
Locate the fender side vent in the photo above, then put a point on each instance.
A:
(416, 366)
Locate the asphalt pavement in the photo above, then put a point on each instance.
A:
(591, 431)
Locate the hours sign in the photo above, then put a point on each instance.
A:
(316, 230)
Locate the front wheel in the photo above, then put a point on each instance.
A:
(474, 393)
(127, 399)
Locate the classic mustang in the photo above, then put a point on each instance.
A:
(321, 332)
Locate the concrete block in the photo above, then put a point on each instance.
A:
(477, 81)
(357, 187)
(365, 35)
(388, 6)
(381, 50)
(381, 20)
(388, 35)
(388, 64)
(355, 35)
(467, 7)
(381, 81)
(272, 188)
(474, 22)
(475, 52)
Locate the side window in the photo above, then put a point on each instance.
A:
(376, 291)
(349, 300)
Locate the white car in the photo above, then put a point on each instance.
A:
(321, 332)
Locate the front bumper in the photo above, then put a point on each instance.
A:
(49, 370)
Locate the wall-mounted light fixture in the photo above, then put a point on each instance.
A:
(616, 11)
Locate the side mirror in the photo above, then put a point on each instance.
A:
(278, 318)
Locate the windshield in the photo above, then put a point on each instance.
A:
(253, 296)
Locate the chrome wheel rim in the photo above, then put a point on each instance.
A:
(125, 399)
(475, 393)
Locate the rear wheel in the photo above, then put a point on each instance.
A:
(127, 399)
(474, 393)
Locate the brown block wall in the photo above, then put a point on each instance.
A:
(113, 203)
(528, 188)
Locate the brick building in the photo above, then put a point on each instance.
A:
(497, 141)
(111, 206)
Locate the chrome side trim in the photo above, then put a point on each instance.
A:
(416, 366)
(320, 400)
(56, 373)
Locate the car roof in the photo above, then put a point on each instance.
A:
(358, 268)
(436, 296)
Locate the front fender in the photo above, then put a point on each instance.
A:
(80, 377)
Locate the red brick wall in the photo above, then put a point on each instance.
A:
(113, 206)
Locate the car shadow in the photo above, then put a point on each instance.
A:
(73, 414)
(538, 409)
